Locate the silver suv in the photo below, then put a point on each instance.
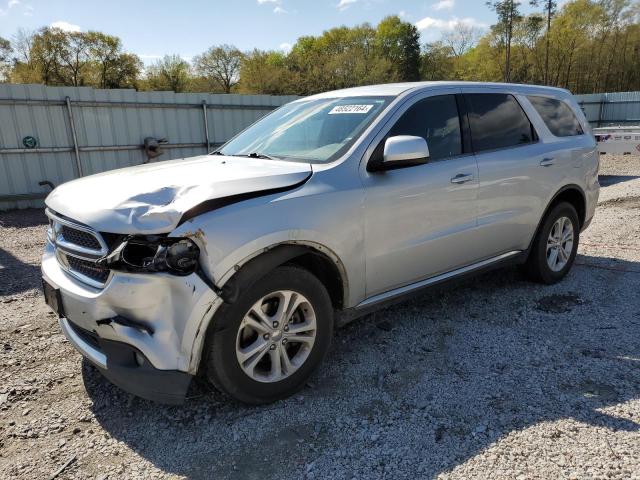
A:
(238, 264)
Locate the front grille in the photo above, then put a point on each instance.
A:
(77, 248)
(88, 268)
(79, 237)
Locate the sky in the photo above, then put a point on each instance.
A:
(152, 28)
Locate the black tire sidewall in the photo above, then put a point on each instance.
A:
(545, 272)
(223, 368)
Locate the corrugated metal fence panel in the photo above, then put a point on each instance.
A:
(20, 173)
(610, 109)
(622, 108)
(108, 118)
(590, 104)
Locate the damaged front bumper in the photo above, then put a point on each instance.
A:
(145, 332)
(127, 367)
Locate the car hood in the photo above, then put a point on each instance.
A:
(153, 198)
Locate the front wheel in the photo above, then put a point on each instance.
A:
(555, 246)
(266, 345)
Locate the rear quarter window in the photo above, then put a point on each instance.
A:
(557, 115)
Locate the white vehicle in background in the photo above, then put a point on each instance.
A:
(618, 140)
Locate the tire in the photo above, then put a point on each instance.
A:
(238, 327)
(538, 266)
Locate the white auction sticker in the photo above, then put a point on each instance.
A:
(350, 109)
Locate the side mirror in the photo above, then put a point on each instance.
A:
(405, 147)
(404, 151)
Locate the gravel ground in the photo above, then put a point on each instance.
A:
(490, 378)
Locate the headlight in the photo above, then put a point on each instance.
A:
(154, 253)
(182, 256)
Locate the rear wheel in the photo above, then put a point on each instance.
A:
(266, 345)
(555, 246)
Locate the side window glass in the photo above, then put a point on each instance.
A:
(436, 120)
(497, 121)
(557, 115)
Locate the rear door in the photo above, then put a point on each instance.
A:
(420, 220)
(516, 170)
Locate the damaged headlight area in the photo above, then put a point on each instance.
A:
(153, 253)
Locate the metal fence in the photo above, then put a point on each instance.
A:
(49, 135)
(56, 134)
(610, 109)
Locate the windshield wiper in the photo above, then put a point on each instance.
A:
(260, 155)
(250, 155)
(254, 155)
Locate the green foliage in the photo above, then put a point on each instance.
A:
(341, 57)
(220, 65)
(265, 72)
(171, 73)
(509, 16)
(585, 46)
(399, 42)
(5, 57)
(55, 57)
(593, 46)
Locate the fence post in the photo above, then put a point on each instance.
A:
(601, 108)
(206, 125)
(75, 138)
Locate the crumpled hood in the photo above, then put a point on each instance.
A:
(152, 198)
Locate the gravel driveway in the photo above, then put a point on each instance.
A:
(490, 378)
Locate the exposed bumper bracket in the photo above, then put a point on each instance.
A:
(125, 322)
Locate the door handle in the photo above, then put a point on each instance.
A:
(462, 178)
(546, 162)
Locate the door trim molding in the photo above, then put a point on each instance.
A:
(396, 292)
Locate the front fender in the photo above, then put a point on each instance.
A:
(233, 265)
(220, 269)
(330, 222)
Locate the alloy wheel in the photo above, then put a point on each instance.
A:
(276, 336)
(560, 244)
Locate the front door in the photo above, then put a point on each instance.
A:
(421, 220)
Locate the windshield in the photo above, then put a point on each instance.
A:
(315, 131)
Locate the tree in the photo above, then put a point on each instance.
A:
(23, 70)
(46, 55)
(339, 58)
(22, 41)
(75, 57)
(111, 66)
(55, 57)
(437, 62)
(550, 10)
(461, 38)
(526, 64)
(5, 57)
(124, 71)
(399, 42)
(508, 14)
(104, 50)
(221, 64)
(585, 45)
(170, 73)
(265, 72)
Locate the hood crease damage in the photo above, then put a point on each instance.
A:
(156, 198)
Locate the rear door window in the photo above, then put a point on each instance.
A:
(436, 120)
(557, 115)
(497, 121)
